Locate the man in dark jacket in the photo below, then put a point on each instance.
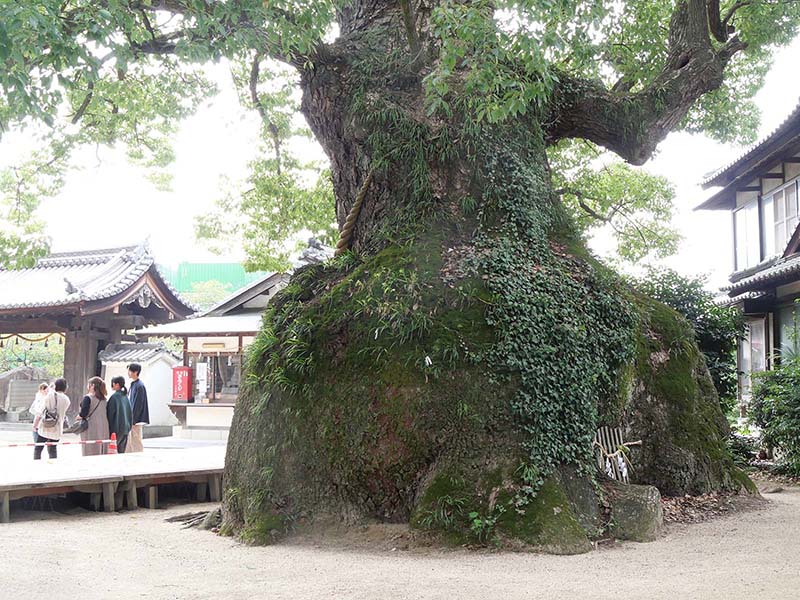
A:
(140, 415)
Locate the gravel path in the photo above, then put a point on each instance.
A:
(752, 554)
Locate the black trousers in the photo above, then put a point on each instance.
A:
(52, 451)
(122, 442)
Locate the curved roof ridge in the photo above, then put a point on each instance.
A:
(710, 178)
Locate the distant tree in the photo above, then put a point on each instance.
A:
(206, 294)
(600, 192)
(23, 186)
(21, 353)
(284, 195)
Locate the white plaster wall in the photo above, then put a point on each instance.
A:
(157, 377)
(208, 415)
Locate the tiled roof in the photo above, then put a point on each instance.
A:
(725, 301)
(134, 352)
(242, 324)
(713, 177)
(68, 278)
(779, 270)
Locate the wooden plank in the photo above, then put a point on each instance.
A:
(174, 477)
(60, 483)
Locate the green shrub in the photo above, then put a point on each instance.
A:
(775, 408)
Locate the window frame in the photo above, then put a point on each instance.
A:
(755, 202)
(776, 250)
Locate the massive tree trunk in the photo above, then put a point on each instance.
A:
(452, 368)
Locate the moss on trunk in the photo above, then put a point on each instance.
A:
(447, 374)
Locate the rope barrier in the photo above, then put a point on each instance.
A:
(619, 452)
(32, 444)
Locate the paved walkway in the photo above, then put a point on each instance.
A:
(750, 555)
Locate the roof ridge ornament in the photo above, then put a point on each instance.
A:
(73, 289)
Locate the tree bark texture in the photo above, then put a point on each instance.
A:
(450, 368)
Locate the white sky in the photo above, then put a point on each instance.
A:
(108, 202)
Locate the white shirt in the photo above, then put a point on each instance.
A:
(38, 404)
(60, 402)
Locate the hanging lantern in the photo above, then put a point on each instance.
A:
(60, 340)
(16, 341)
(2, 345)
(45, 343)
(230, 362)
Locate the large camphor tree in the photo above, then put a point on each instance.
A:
(450, 366)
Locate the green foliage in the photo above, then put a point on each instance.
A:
(717, 329)
(22, 188)
(206, 294)
(566, 330)
(775, 408)
(284, 196)
(126, 72)
(636, 205)
(26, 354)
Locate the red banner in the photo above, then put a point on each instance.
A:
(181, 383)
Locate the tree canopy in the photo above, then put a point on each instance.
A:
(621, 75)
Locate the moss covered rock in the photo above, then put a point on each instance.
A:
(636, 513)
(672, 408)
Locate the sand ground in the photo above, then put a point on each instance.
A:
(752, 554)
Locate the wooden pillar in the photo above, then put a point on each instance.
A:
(108, 497)
(201, 490)
(214, 488)
(151, 496)
(80, 359)
(5, 507)
(131, 495)
(80, 354)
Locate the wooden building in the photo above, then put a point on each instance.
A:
(214, 345)
(760, 191)
(92, 298)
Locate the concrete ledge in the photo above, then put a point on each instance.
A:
(156, 431)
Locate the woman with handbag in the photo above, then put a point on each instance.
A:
(93, 412)
(49, 420)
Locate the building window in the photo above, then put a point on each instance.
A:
(752, 353)
(748, 245)
(780, 209)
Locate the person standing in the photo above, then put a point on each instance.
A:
(140, 413)
(56, 403)
(118, 410)
(93, 410)
(38, 405)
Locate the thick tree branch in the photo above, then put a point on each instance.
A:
(85, 104)
(715, 23)
(582, 203)
(273, 129)
(632, 124)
